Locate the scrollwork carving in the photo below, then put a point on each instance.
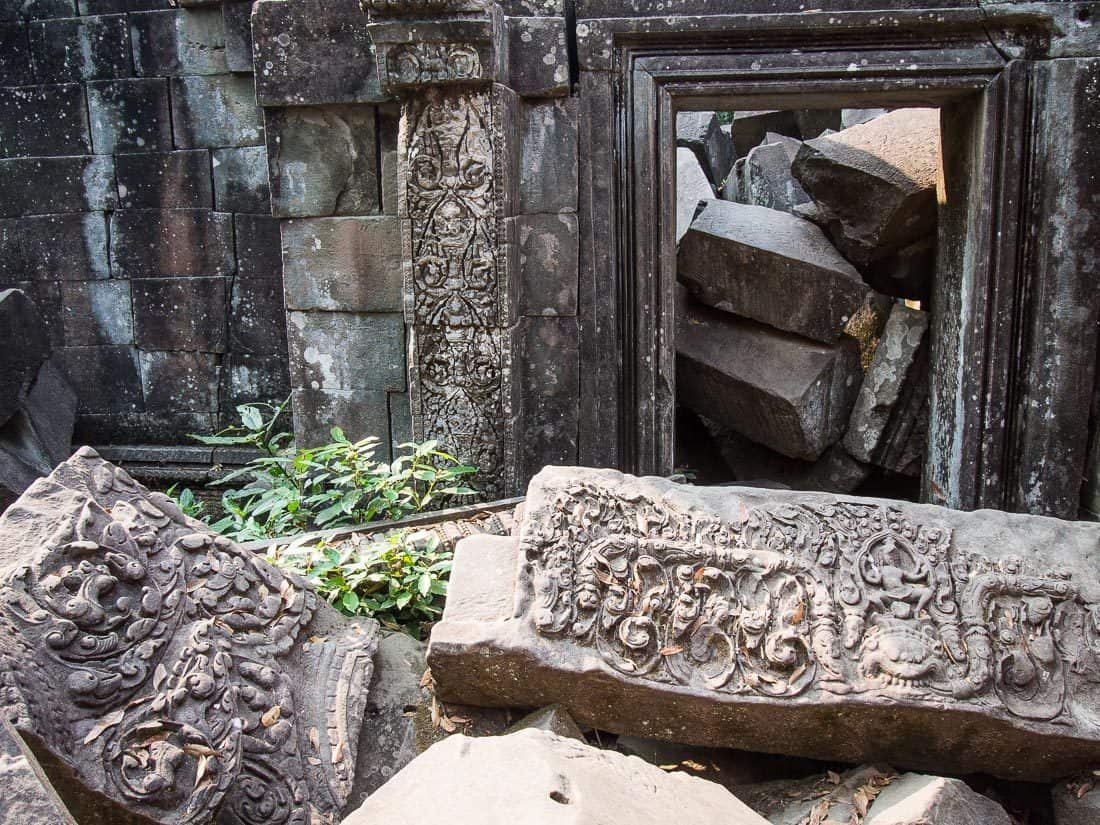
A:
(413, 64)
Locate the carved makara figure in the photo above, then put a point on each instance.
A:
(169, 671)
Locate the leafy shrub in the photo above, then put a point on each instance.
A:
(400, 579)
(187, 502)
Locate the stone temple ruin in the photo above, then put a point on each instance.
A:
(783, 316)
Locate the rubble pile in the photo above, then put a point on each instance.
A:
(806, 253)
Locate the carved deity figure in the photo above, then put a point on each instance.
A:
(163, 673)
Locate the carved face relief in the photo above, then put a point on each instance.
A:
(155, 657)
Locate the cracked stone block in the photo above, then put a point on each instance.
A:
(165, 180)
(297, 44)
(876, 182)
(180, 380)
(343, 264)
(43, 120)
(217, 111)
(548, 264)
(130, 116)
(702, 134)
(537, 776)
(240, 180)
(347, 350)
(771, 267)
(766, 179)
(97, 312)
(749, 128)
(692, 187)
(785, 392)
(1071, 809)
(178, 42)
(178, 242)
(359, 413)
(107, 376)
(25, 348)
(54, 247)
(41, 186)
(652, 608)
(538, 60)
(887, 412)
(322, 161)
(916, 799)
(15, 57)
(238, 35)
(80, 48)
(180, 314)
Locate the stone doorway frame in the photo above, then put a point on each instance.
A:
(637, 73)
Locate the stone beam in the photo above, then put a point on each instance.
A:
(808, 624)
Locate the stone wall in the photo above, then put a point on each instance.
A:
(135, 210)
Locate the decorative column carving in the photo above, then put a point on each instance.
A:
(453, 201)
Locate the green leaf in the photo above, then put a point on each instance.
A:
(424, 585)
(250, 417)
(350, 601)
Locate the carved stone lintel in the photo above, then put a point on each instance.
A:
(165, 669)
(414, 54)
(427, 8)
(789, 622)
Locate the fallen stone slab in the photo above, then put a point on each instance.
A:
(854, 117)
(771, 267)
(876, 181)
(1075, 804)
(536, 776)
(824, 797)
(833, 627)
(161, 673)
(908, 273)
(28, 797)
(888, 410)
(702, 134)
(25, 345)
(788, 393)
(692, 187)
(749, 128)
(766, 178)
(915, 799)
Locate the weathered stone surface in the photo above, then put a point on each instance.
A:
(344, 264)
(553, 719)
(548, 250)
(876, 181)
(201, 695)
(547, 374)
(1071, 809)
(180, 314)
(179, 42)
(180, 242)
(169, 180)
(50, 406)
(237, 19)
(130, 115)
(821, 797)
(28, 798)
(548, 140)
(15, 55)
(297, 44)
(106, 375)
(41, 186)
(536, 776)
(782, 391)
(894, 389)
(692, 186)
(80, 48)
(215, 112)
(322, 161)
(769, 266)
(908, 273)
(854, 117)
(766, 178)
(240, 180)
(25, 348)
(359, 413)
(183, 381)
(247, 378)
(54, 247)
(800, 623)
(914, 799)
(812, 122)
(749, 129)
(538, 60)
(347, 350)
(702, 134)
(257, 316)
(97, 312)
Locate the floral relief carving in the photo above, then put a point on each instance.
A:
(410, 64)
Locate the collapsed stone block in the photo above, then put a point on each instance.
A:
(914, 799)
(908, 273)
(702, 134)
(692, 187)
(25, 349)
(765, 178)
(27, 798)
(860, 630)
(782, 391)
(160, 673)
(1074, 805)
(749, 128)
(876, 182)
(771, 267)
(536, 776)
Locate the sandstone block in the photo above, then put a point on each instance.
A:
(215, 112)
(97, 312)
(1071, 809)
(821, 797)
(861, 630)
(359, 413)
(257, 316)
(15, 55)
(893, 391)
(107, 376)
(692, 187)
(876, 181)
(766, 178)
(237, 20)
(130, 115)
(788, 393)
(54, 247)
(80, 48)
(27, 798)
(42, 186)
(702, 134)
(165, 180)
(812, 122)
(36, 9)
(547, 140)
(240, 180)
(50, 407)
(257, 245)
(178, 42)
(25, 347)
(151, 243)
(322, 161)
(343, 264)
(247, 378)
(914, 799)
(180, 314)
(120, 6)
(347, 350)
(536, 776)
(854, 117)
(538, 60)
(908, 273)
(548, 254)
(749, 128)
(771, 267)
(184, 381)
(47, 299)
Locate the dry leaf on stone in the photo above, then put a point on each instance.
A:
(271, 716)
(108, 721)
(672, 650)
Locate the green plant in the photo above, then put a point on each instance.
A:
(288, 490)
(400, 579)
(187, 502)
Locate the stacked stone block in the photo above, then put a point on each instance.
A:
(136, 210)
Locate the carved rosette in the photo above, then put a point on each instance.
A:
(176, 673)
(797, 599)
